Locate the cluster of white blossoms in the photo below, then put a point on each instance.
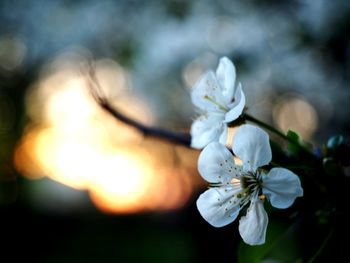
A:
(219, 102)
(233, 186)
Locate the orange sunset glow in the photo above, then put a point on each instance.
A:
(72, 141)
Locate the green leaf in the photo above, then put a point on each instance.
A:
(292, 135)
(293, 142)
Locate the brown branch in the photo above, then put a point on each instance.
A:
(97, 93)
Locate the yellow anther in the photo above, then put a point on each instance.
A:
(262, 197)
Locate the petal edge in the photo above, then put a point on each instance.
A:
(252, 226)
(282, 187)
(214, 206)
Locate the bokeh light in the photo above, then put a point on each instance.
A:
(121, 181)
(297, 114)
(74, 142)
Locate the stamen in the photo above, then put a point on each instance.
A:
(221, 107)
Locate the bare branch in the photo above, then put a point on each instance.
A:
(97, 93)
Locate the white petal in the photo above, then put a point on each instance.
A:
(223, 136)
(226, 76)
(218, 206)
(207, 94)
(251, 144)
(207, 129)
(282, 187)
(252, 227)
(216, 164)
(236, 107)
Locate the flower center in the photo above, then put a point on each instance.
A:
(251, 185)
(251, 180)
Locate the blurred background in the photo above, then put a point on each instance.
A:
(76, 185)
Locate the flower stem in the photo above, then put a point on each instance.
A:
(248, 117)
(264, 125)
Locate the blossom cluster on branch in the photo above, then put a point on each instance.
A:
(268, 176)
(231, 186)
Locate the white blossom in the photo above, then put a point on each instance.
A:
(219, 101)
(234, 186)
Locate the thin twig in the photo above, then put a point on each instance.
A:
(97, 93)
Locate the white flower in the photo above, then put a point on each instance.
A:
(219, 102)
(234, 186)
